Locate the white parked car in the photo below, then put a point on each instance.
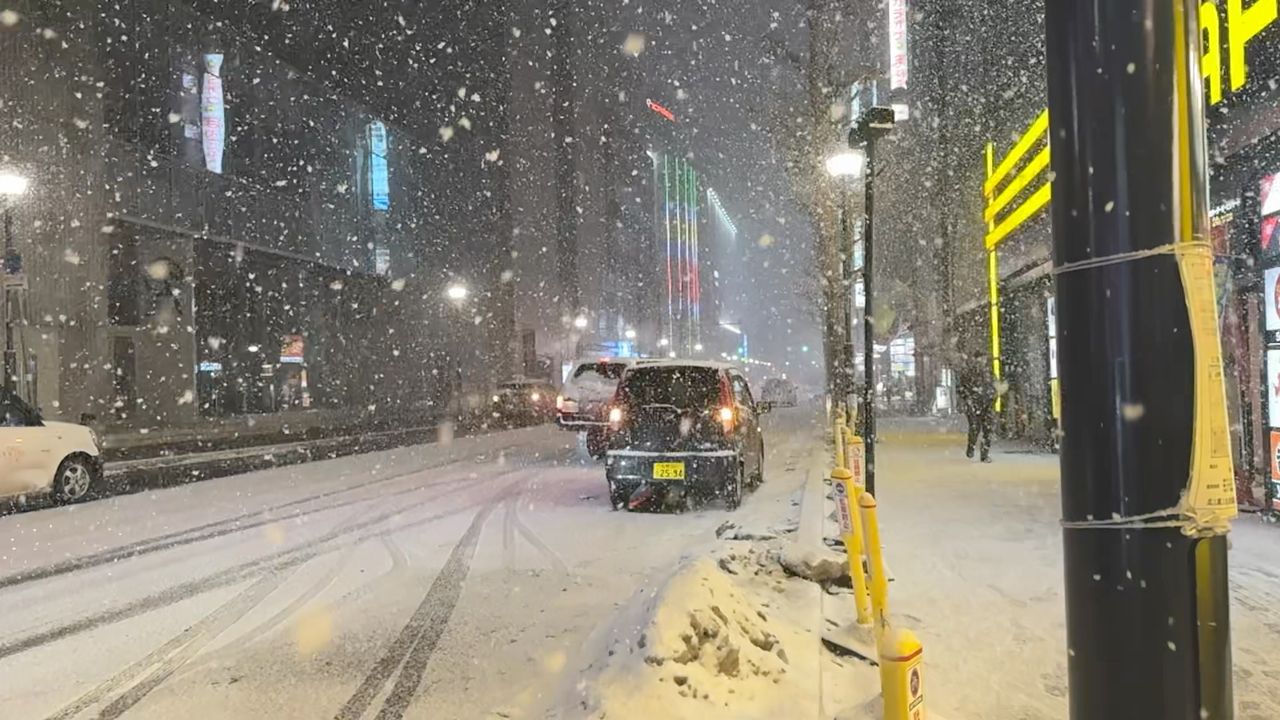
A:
(43, 457)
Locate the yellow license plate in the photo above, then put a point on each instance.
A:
(668, 471)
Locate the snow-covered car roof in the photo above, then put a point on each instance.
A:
(677, 362)
(612, 360)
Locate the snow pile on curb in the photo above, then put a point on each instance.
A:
(725, 637)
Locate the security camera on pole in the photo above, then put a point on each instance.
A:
(875, 123)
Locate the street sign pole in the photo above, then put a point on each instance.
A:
(874, 124)
(1147, 494)
(12, 277)
(868, 325)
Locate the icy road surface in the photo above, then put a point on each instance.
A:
(427, 582)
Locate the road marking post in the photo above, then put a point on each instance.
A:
(838, 437)
(902, 676)
(843, 490)
(879, 585)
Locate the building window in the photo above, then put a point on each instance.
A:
(124, 368)
(124, 282)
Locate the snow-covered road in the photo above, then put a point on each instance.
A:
(446, 581)
(474, 580)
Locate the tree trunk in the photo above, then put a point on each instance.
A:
(824, 40)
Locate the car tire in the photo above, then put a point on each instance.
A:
(758, 479)
(596, 446)
(618, 497)
(733, 488)
(73, 479)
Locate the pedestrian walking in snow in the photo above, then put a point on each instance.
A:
(978, 397)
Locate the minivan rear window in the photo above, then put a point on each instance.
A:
(680, 386)
(606, 370)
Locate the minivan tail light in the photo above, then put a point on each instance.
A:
(559, 402)
(725, 413)
(726, 418)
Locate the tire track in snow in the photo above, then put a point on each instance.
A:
(260, 630)
(412, 649)
(167, 658)
(213, 530)
(532, 538)
(281, 560)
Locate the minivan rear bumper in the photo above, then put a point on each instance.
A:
(707, 471)
(579, 421)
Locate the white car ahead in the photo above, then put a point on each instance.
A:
(43, 457)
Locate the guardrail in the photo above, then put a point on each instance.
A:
(270, 453)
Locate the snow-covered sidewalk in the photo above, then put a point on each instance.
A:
(976, 554)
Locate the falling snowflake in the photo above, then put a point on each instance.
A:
(634, 44)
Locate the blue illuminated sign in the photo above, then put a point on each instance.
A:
(379, 182)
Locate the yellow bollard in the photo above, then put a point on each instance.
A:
(879, 584)
(838, 435)
(902, 677)
(843, 490)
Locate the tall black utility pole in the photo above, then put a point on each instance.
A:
(874, 124)
(12, 268)
(1143, 412)
(868, 318)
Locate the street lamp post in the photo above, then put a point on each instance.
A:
(874, 124)
(457, 293)
(844, 167)
(11, 186)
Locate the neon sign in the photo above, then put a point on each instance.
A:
(661, 110)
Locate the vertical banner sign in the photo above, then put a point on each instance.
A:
(1211, 494)
(1055, 388)
(1275, 470)
(213, 113)
(379, 179)
(897, 44)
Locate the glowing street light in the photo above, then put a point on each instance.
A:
(457, 292)
(12, 184)
(580, 322)
(630, 334)
(697, 348)
(847, 163)
(664, 342)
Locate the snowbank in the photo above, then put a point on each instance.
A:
(727, 636)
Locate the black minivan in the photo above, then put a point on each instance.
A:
(683, 429)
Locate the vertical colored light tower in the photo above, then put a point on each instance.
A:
(679, 238)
